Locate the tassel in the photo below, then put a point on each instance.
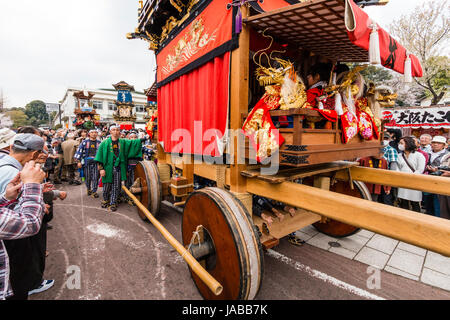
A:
(374, 46)
(338, 104)
(333, 81)
(238, 21)
(408, 71)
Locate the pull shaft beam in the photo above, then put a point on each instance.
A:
(425, 231)
(196, 267)
(422, 182)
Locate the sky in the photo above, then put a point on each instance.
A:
(47, 46)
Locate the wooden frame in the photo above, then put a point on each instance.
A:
(316, 205)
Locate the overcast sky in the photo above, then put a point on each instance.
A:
(49, 45)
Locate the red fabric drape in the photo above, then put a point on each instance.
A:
(392, 53)
(199, 96)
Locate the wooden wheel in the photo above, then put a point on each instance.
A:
(236, 257)
(338, 229)
(150, 195)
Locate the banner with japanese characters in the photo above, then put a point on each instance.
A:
(418, 117)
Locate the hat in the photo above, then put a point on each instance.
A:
(439, 139)
(29, 141)
(6, 137)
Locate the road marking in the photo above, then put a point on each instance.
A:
(109, 231)
(323, 276)
(63, 284)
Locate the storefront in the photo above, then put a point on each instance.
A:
(433, 120)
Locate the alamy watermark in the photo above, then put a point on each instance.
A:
(74, 277)
(374, 280)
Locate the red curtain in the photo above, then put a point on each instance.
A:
(199, 96)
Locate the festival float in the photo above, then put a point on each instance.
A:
(235, 78)
(151, 109)
(124, 115)
(86, 117)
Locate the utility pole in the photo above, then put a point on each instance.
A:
(59, 112)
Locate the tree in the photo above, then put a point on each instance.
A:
(36, 112)
(425, 33)
(18, 117)
(377, 75)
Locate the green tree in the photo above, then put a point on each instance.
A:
(425, 33)
(375, 74)
(378, 75)
(18, 117)
(36, 112)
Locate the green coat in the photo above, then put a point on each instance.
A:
(127, 149)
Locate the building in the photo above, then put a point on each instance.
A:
(5, 121)
(104, 103)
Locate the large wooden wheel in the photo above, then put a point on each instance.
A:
(151, 191)
(338, 229)
(235, 258)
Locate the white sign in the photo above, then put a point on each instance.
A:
(50, 107)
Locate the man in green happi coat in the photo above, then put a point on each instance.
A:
(112, 158)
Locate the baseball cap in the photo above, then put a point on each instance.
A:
(6, 137)
(29, 141)
(439, 139)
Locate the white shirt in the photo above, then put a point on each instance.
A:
(417, 161)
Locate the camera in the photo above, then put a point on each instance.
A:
(439, 172)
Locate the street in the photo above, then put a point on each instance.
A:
(97, 254)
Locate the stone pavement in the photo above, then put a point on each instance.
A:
(386, 254)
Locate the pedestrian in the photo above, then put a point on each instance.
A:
(132, 162)
(84, 157)
(112, 158)
(6, 139)
(378, 192)
(438, 151)
(69, 148)
(22, 221)
(424, 153)
(56, 144)
(410, 161)
(395, 134)
(444, 201)
(425, 140)
(390, 153)
(23, 257)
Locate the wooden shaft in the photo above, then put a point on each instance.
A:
(422, 230)
(212, 283)
(422, 182)
(239, 84)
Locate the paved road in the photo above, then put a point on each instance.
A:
(119, 256)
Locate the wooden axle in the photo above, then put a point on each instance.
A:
(425, 231)
(195, 266)
(422, 182)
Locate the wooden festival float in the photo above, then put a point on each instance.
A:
(219, 59)
(85, 115)
(152, 113)
(124, 115)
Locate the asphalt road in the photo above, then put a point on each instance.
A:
(97, 254)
